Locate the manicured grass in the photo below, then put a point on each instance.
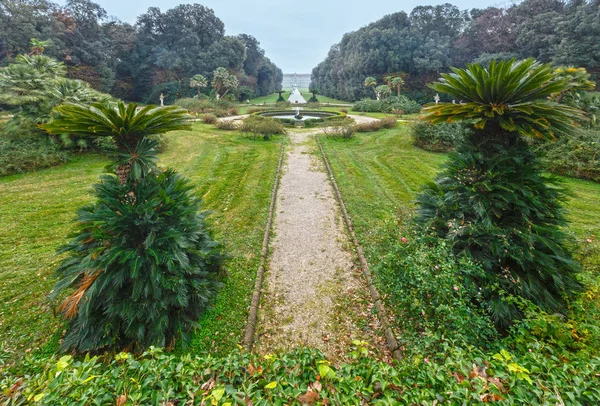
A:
(234, 176)
(380, 174)
(272, 98)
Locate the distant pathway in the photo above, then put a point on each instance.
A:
(234, 118)
(314, 294)
(362, 119)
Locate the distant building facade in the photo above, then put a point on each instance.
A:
(302, 80)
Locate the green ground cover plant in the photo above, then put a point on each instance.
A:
(304, 377)
(232, 174)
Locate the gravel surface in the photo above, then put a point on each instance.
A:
(314, 295)
(234, 118)
(362, 119)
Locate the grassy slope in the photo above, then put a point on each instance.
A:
(379, 175)
(234, 176)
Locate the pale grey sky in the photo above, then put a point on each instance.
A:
(296, 35)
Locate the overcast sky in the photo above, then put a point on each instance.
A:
(296, 35)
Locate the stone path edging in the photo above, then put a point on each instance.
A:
(381, 312)
(253, 313)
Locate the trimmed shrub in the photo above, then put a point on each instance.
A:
(220, 108)
(577, 156)
(393, 104)
(227, 125)
(339, 130)
(436, 137)
(387, 122)
(209, 118)
(265, 127)
(253, 110)
(28, 154)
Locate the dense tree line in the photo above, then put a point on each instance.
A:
(420, 45)
(160, 53)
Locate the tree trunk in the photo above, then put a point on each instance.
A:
(123, 172)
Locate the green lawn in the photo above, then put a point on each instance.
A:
(233, 174)
(379, 175)
(272, 98)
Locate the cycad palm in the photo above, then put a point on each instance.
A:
(507, 96)
(142, 266)
(128, 126)
(492, 200)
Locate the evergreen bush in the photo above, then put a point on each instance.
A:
(265, 127)
(29, 153)
(141, 266)
(392, 104)
(577, 156)
(436, 138)
(492, 201)
(209, 118)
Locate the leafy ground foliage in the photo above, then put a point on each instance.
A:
(457, 376)
(232, 174)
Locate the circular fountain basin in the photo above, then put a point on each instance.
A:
(291, 115)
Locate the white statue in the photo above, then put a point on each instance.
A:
(162, 98)
(436, 98)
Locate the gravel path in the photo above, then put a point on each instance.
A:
(234, 118)
(314, 294)
(362, 119)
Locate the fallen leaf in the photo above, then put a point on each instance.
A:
(459, 377)
(309, 398)
(208, 385)
(121, 400)
(317, 386)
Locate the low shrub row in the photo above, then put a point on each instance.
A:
(458, 376)
(261, 127)
(387, 122)
(577, 155)
(227, 125)
(394, 104)
(28, 154)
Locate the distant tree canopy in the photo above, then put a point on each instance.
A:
(432, 38)
(160, 53)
